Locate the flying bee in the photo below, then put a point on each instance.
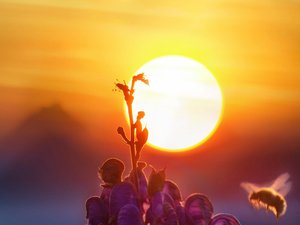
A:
(270, 197)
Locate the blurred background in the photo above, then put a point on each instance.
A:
(59, 113)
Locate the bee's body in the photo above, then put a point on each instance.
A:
(270, 198)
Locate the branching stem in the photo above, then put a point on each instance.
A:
(134, 150)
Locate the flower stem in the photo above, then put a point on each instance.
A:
(132, 137)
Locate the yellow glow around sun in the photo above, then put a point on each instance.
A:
(183, 103)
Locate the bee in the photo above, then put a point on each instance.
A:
(272, 197)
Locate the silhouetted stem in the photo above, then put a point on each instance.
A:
(137, 156)
(125, 138)
(134, 149)
(132, 141)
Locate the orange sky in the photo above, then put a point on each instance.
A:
(73, 51)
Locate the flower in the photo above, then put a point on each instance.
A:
(140, 77)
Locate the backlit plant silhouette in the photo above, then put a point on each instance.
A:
(138, 135)
(136, 200)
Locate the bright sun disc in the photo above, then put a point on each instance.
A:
(183, 103)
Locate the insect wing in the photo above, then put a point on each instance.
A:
(281, 184)
(285, 189)
(249, 187)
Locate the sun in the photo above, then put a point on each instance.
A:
(183, 103)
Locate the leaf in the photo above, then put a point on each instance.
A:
(145, 134)
(142, 137)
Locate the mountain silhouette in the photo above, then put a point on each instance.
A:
(46, 155)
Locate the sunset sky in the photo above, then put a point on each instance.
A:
(72, 52)
(81, 47)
